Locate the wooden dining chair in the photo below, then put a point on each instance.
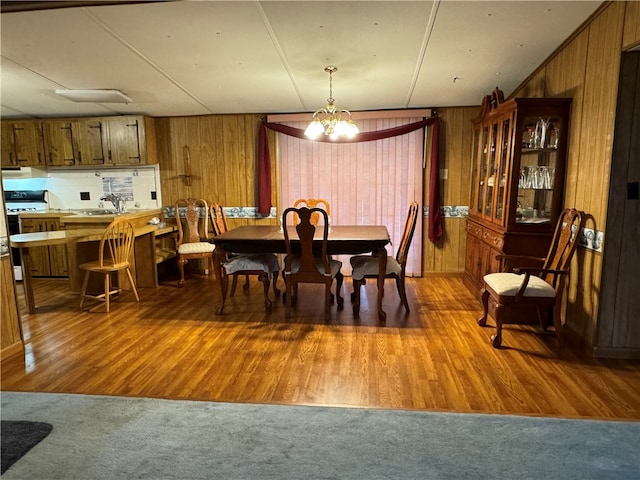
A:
(366, 266)
(533, 287)
(306, 264)
(313, 203)
(114, 252)
(192, 220)
(265, 265)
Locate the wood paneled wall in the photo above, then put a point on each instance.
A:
(223, 160)
(446, 256)
(586, 68)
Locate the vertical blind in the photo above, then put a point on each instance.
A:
(368, 183)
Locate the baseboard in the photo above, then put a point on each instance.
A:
(12, 350)
(618, 353)
(443, 274)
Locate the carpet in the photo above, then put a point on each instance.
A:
(96, 437)
(18, 437)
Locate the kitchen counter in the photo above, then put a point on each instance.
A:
(80, 216)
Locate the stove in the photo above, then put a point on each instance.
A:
(21, 201)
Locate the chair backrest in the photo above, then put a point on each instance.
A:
(407, 235)
(306, 230)
(313, 203)
(564, 241)
(218, 218)
(192, 220)
(116, 243)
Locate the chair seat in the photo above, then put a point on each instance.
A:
(367, 266)
(196, 247)
(267, 263)
(107, 266)
(508, 284)
(335, 266)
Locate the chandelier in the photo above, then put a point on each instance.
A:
(329, 120)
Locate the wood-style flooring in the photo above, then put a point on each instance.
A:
(172, 345)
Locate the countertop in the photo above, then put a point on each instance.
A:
(81, 215)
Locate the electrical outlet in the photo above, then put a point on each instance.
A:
(85, 196)
(444, 173)
(153, 196)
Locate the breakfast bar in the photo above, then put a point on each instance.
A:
(81, 247)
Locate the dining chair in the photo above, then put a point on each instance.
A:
(313, 203)
(114, 252)
(192, 220)
(306, 264)
(539, 284)
(265, 265)
(366, 266)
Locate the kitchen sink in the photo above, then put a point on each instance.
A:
(97, 211)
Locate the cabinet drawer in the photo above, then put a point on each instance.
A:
(493, 239)
(474, 230)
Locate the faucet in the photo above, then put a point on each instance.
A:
(118, 201)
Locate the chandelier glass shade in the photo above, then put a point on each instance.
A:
(330, 120)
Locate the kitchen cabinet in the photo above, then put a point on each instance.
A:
(22, 144)
(91, 136)
(46, 261)
(59, 142)
(517, 180)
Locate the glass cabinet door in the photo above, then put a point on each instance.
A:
(491, 171)
(482, 174)
(538, 163)
(501, 170)
(474, 171)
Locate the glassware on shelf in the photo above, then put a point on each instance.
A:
(542, 128)
(554, 136)
(528, 137)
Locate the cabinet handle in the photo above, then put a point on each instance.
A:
(79, 157)
(109, 154)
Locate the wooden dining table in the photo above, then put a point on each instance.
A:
(342, 240)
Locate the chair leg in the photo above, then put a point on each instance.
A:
(234, 283)
(133, 285)
(276, 291)
(496, 340)
(402, 292)
(264, 278)
(85, 283)
(107, 290)
(557, 322)
(246, 285)
(355, 296)
(288, 296)
(482, 321)
(181, 263)
(339, 281)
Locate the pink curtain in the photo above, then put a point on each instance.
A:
(366, 183)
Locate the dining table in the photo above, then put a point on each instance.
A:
(342, 240)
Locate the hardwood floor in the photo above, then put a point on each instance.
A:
(172, 345)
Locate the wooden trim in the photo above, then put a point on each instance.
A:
(364, 115)
(12, 350)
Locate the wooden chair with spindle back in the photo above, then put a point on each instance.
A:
(114, 252)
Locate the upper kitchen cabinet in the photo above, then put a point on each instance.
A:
(130, 140)
(59, 142)
(22, 144)
(517, 180)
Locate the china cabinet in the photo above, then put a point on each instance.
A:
(517, 180)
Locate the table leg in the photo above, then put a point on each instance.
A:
(219, 256)
(382, 269)
(25, 260)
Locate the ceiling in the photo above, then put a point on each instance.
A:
(175, 58)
